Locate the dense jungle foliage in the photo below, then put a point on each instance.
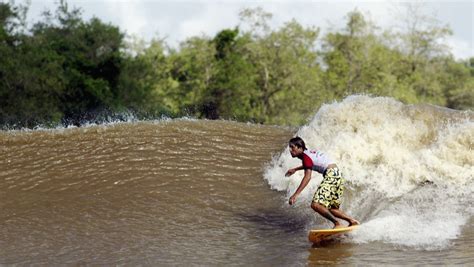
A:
(66, 70)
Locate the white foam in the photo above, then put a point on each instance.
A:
(427, 231)
(389, 149)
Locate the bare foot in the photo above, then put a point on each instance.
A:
(354, 222)
(338, 225)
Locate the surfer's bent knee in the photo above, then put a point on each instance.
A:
(316, 205)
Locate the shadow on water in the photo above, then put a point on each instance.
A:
(270, 220)
(285, 229)
(291, 228)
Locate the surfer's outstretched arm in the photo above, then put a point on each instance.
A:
(303, 184)
(292, 171)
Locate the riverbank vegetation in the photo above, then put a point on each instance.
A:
(66, 70)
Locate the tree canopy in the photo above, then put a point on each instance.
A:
(64, 69)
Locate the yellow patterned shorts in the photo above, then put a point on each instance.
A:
(329, 192)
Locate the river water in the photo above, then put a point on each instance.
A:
(197, 192)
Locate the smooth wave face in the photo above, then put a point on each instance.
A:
(409, 168)
(164, 192)
(195, 192)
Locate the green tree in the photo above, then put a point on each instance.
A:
(358, 61)
(26, 94)
(192, 68)
(457, 80)
(230, 92)
(91, 60)
(144, 78)
(420, 41)
(288, 74)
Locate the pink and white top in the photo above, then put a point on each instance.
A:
(316, 160)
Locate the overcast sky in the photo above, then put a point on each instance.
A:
(178, 20)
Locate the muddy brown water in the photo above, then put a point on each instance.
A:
(172, 192)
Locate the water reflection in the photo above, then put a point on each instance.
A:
(330, 252)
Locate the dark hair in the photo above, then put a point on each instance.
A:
(298, 142)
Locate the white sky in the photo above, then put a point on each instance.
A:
(178, 20)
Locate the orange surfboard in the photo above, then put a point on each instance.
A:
(317, 236)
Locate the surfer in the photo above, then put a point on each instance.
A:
(328, 196)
